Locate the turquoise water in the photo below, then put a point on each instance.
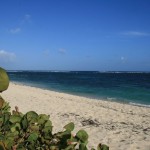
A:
(126, 87)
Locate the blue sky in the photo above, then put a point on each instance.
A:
(75, 35)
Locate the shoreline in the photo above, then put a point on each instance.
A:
(120, 126)
(108, 99)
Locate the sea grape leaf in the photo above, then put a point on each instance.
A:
(82, 146)
(32, 137)
(102, 147)
(48, 123)
(5, 107)
(47, 129)
(65, 133)
(6, 117)
(12, 135)
(24, 122)
(32, 116)
(42, 118)
(9, 142)
(34, 128)
(48, 126)
(15, 119)
(82, 136)
(15, 127)
(4, 80)
(69, 126)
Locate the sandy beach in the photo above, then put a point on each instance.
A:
(121, 126)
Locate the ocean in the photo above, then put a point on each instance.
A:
(124, 87)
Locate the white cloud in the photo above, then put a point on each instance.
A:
(26, 19)
(135, 33)
(123, 59)
(14, 31)
(27, 16)
(6, 56)
(62, 51)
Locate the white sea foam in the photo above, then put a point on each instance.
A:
(111, 98)
(141, 105)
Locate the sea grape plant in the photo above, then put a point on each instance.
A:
(4, 80)
(31, 131)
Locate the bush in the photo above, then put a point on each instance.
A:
(31, 131)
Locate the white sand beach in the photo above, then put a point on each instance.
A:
(120, 126)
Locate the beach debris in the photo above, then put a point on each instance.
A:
(90, 122)
(146, 130)
(65, 115)
(70, 114)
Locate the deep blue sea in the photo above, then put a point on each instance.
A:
(125, 87)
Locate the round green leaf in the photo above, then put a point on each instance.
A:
(32, 137)
(15, 118)
(15, 127)
(82, 136)
(42, 118)
(32, 116)
(69, 126)
(82, 146)
(24, 122)
(4, 80)
(102, 147)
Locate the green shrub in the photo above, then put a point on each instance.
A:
(31, 131)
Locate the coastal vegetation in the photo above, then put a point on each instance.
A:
(30, 131)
